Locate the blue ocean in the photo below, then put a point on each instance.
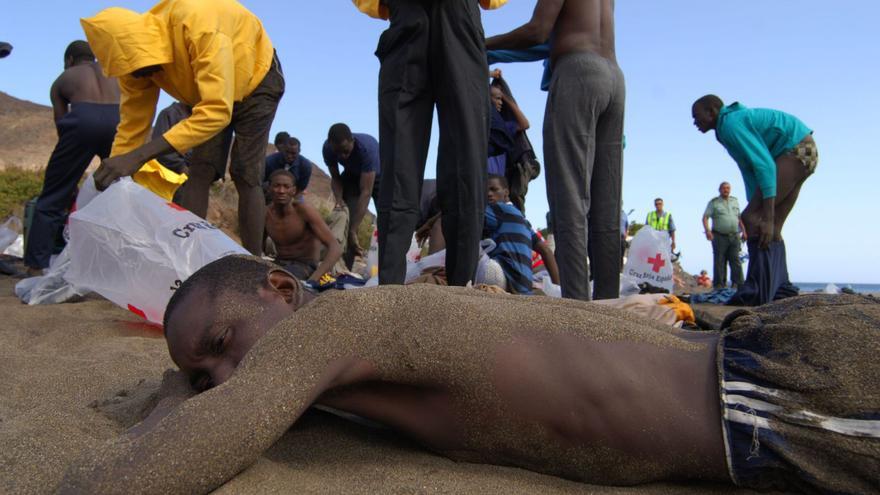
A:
(807, 287)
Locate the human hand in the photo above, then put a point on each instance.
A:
(115, 167)
(673, 246)
(744, 236)
(709, 235)
(339, 205)
(766, 233)
(495, 73)
(353, 243)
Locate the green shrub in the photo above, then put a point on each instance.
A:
(17, 186)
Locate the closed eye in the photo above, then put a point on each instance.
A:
(201, 382)
(219, 343)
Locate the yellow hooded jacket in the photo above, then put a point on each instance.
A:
(212, 53)
(374, 8)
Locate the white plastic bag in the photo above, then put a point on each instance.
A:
(649, 261)
(51, 287)
(414, 269)
(9, 232)
(135, 248)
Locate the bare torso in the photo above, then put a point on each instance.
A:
(584, 26)
(554, 400)
(85, 83)
(293, 238)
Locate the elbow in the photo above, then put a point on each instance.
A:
(537, 33)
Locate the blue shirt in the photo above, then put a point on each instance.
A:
(514, 239)
(301, 168)
(754, 138)
(537, 52)
(364, 157)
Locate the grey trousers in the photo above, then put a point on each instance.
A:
(583, 150)
(725, 250)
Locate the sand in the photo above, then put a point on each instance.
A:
(76, 375)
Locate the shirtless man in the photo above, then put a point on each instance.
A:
(85, 105)
(583, 131)
(561, 387)
(298, 231)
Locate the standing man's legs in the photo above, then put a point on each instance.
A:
(251, 121)
(732, 258)
(458, 66)
(207, 164)
(406, 108)
(581, 90)
(606, 190)
(720, 247)
(72, 154)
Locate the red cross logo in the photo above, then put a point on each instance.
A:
(658, 263)
(176, 207)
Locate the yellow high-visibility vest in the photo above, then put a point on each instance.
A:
(659, 223)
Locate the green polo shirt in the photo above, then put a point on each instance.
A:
(724, 214)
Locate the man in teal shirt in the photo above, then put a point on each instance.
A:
(776, 153)
(727, 228)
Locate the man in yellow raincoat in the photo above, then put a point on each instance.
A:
(213, 55)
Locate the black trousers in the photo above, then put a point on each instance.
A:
(432, 53)
(725, 251)
(87, 130)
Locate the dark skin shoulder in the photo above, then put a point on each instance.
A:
(573, 390)
(572, 26)
(82, 82)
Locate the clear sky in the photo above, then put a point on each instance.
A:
(814, 59)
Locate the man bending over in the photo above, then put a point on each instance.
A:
(298, 231)
(776, 153)
(567, 388)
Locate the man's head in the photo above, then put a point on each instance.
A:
(705, 112)
(5, 49)
(291, 151)
(497, 97)
(77, 52)
(341, 141)
(282, 186)
(497, 189)
(220, 312)
(126, 42)
(658, 204)
(724, 190)
(281, 140)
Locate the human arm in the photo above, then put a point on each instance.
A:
(549, 260)
(360, 208)
(217, 434)
(742, 229)
(532, 33)
(323, 233)
(304, 175)
(136, 109)
(424, 232)
(522, 122)
(706, 229)
(335, 179)
(60, 105)
(531, 54)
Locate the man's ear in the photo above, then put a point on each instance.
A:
(284, 284)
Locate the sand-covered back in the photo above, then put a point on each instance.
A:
(75, 375)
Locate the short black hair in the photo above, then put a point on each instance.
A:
(281, 138)
(79, 50)
(338, 133)
(240, 273)
(709, 101)
(658, 199)
(284, 172)
(500, 178)
(294, 140)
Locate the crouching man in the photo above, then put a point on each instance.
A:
(786, 397)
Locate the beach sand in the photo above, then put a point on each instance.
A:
(75, 375)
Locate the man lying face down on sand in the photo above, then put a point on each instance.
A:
(561, 387)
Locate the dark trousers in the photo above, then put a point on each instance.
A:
(767, 277)
(432, 53)
(87, 130)
(725, 251)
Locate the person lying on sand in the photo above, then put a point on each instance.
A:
(787, 397)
